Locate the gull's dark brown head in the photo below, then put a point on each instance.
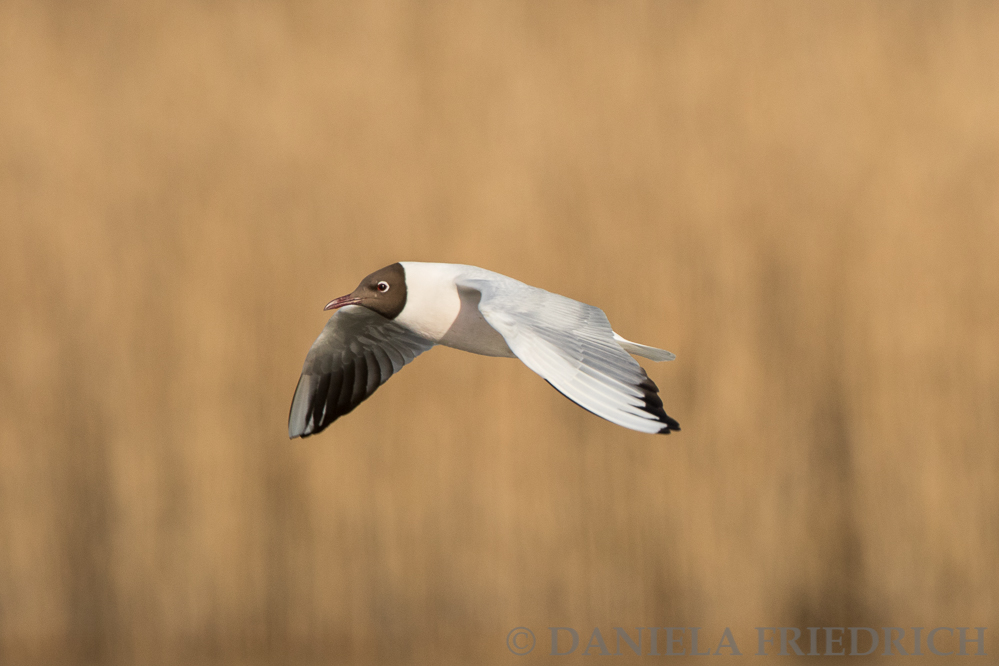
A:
(384, 292)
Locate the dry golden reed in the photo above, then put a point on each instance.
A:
(798, 199)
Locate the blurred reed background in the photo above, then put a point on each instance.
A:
(798, 199)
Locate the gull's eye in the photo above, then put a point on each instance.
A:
(383, 286)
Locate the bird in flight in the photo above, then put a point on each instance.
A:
(402, 310)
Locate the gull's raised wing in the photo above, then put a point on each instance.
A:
(572, 346)
(356, 353)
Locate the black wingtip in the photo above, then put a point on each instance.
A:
(672, 426)
(654, 406)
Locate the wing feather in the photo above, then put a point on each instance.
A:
(358, 351)
(573, 347)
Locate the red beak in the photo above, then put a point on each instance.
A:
(342, 301)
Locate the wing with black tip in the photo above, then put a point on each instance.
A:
(572, 346)
(356, 353)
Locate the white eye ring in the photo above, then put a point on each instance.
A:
(383, 286)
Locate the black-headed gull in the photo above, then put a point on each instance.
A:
(403, 310)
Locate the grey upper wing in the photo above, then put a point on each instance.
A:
(356, 353)
(572, 346)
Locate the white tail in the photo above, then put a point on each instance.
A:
(644, 351)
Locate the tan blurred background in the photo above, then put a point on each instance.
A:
(801, 200)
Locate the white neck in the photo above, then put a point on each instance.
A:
(432, 302)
